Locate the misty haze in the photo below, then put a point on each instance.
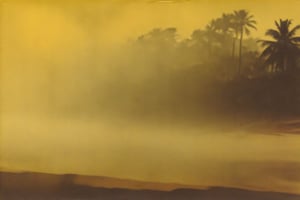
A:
(150, 100)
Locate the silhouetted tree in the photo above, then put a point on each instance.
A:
(282, 52)
(234, 28)
(161, 36)
(244, 23)
(211, 35)
(222, 24)
(230, 22)
(218, 35)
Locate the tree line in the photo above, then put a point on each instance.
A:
(220, 68)
(222, 46)
(217, 71)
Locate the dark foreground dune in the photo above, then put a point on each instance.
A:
(34, 186)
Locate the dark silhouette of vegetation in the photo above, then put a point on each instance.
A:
(161, 74)
(282, 52)
(208, 58)
(234, 25)
(244, 22)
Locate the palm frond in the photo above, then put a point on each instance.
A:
(251, 25)
(293, 31)
(267, 51)
(247, 31)
(295, 39)
(252, 21)
(277, 25)
(250, 17)
(266, 42)
(273, 33)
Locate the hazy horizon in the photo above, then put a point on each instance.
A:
(80, 94)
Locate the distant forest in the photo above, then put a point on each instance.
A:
(219, 70)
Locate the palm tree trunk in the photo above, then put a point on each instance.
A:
(233, 48)
(240, 53)
(232, 55)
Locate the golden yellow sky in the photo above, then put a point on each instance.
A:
(128, 19)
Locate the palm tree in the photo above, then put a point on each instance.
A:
(282, 52)
(244, 23)
(219, 29)
(230, 32)
(234, 31)
(211, 36)
(223, 23)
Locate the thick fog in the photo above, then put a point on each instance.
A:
(120, 89)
